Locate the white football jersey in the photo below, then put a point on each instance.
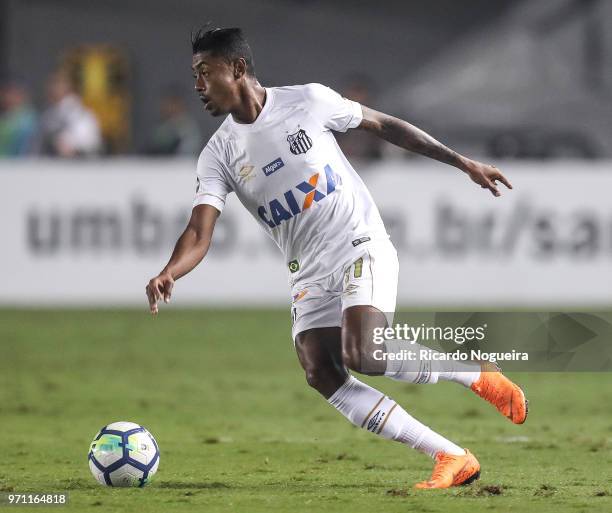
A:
(288, 171)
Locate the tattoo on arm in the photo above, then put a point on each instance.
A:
(409, 137)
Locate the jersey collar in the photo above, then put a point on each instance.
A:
(261, 119)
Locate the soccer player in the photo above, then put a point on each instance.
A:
(275, 149)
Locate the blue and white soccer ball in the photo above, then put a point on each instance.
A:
(123, 454)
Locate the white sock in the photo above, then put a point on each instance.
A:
(423, 371)
(372, 410)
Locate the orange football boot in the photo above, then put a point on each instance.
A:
(451, 470)
(496, 388)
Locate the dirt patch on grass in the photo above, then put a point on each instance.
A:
(478, 490)
(398, 492)
(491, 490)
(191, 485)
(545, 490)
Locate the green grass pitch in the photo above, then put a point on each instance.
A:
(239, 430)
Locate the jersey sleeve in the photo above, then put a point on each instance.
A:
(334, 111)
(212, 186)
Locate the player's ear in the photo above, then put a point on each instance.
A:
(239, 68)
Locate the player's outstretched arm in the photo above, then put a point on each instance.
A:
(189, 251)
(409, 137)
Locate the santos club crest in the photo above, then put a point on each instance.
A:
(299, 142)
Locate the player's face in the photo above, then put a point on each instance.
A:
(215, 83)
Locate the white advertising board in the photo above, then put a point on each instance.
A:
(93, 233)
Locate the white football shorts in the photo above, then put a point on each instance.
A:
(369, 279)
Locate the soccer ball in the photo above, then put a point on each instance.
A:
(123, 454)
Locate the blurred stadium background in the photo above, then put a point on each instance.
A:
(100, 129)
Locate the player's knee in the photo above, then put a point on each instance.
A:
(324, 379)
(315, 378)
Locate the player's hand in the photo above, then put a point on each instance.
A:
(158, 289)
(486, 176)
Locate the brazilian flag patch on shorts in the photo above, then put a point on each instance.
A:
(294, 266)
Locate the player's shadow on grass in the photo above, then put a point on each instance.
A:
(190, 485)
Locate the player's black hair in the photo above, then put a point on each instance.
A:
(228, 43)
